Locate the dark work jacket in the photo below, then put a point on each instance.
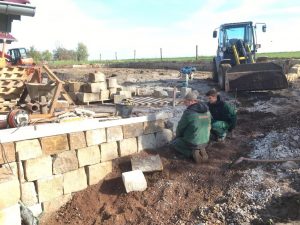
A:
(194, 125)
(222, 111)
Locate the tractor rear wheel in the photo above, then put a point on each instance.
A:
(215, 71)
(222, 75)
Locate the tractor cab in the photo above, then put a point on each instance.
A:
(18, 56)
(235, 66)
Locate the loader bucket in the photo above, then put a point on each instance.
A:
(256, 76)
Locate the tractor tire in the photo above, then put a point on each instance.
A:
(215, 71)
(222, 75)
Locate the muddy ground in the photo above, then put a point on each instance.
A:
(216, 192)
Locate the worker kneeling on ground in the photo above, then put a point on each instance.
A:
(223, 115)
(193, 130)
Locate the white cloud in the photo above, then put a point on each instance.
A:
(63, 23)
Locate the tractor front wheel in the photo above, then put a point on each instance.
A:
(222, 75)
(215, 71)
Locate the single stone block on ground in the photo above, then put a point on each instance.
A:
(96, 77)
(134, 181)
(147, 163)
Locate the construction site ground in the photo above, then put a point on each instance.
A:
(216, 192)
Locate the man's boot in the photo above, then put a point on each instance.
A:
(200, 156)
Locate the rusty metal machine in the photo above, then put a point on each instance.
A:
(236, 68)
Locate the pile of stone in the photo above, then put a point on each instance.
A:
(98, 88)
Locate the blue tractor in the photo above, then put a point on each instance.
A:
(236, 68)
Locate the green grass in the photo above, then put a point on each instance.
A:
(272, 55)
(281, 55)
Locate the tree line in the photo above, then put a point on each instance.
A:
(60, 54)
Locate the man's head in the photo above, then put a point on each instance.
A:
(212, 96)
(191, 98)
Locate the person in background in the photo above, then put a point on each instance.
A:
(223, 115)
(193, 130)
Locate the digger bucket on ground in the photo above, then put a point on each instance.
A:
(256, 76)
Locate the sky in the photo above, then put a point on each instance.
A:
(176, 26)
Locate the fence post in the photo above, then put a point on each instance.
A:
(196, 52)
(100, 56)
(134, 54)
(161, 59)
(116, 54)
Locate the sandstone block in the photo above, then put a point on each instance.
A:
(36, 209)
(148, 163)
(147, 141)
(38, 168)
(119, 98)
(128, 146)
(77, 140)
(88, 156)
(73, 96)
(134, 181)
(28, 149)
(104, 95)
(65, 162)
(10, 215)
(75, 86)
(88, 97)
(55, 204)
(28, 194)
(133, 130)
(9, 190)
(54, 144)
(17, 169)
(96, 77)
(97, 172)
(10, 153)
(151, 127)
(49, 188)
(75, 181)
(109, 151)
(112, 92)
(184, 91)
(163, 137)
(94, 87)
(295, 69)
(112, 83)
(95, 137)
(114, 133)
(127, 94)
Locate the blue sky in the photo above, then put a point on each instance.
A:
(177, 26)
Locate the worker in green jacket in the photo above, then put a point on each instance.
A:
(193, 130)
(223, 115)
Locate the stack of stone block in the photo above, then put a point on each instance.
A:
(47, 170)
(97, 89)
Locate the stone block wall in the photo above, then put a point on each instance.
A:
(44, 172)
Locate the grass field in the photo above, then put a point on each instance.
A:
(272, 55)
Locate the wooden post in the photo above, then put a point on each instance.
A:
(196, 52)
(161, 54)
(174, 96)
(116, 54)
(134, 54)
(100, 56)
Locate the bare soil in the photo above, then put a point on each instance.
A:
(179, 193)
